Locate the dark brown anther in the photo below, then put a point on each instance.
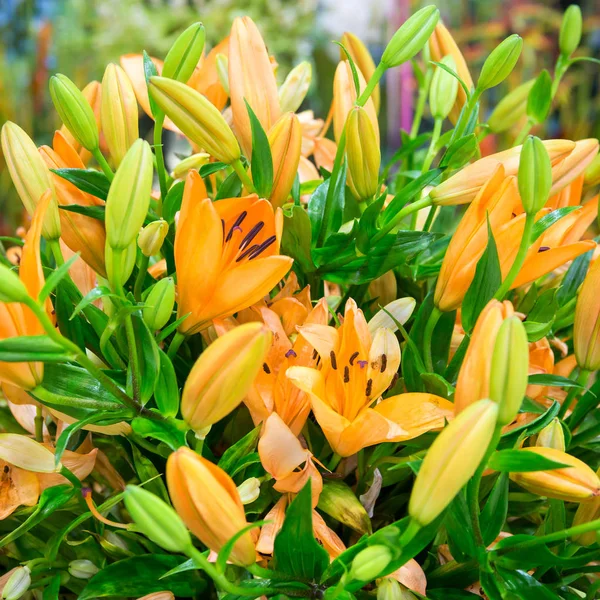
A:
(346, 374)
(247, 252)
(352, 358)
(544, 248)
(266, 369)
(333, 360)
(236, 225)
(268, 242)
(383, 363)
(315, 354)
(290, 353)
(394, 381)
(251, 234)
(369, 388)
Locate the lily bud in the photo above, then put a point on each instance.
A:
(444, 88)
(586, 330)
(410, 37)
(18, 583)
(30, 175)
(552, 436)
(499, 64)
(369, 563)
(119, 112)
(592, 173)
(339, 501)
(363, 61)
(129, 196)
(82, 569)
(574, 483)
(587, 512)
(159, 303)
(535, 175)
(151, 238)
(156, 519)
(249, 490)
(74, 111)
(574, 164)
(510, 365)
(285, 139)
(182, 58)
(399, 310)
(120, 263)
(208, 501)
(390, 589)
(570, 31)
(511, 109)
(191, 163)
(27, 454)
(223, 374)
(295, 87)
(362, 150)
(12, 289)
(452, 460)
(197, 118)
(222, 62)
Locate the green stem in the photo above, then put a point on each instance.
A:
(432, 150)
(56, 252)
(420, 106)
(160, 160)
(371, 85)
(103, 164)
(523, 133)
(429, 219)
(407, 210)
(39, 424)
(334, 462)
(582, 380)
(177, 340)
(519, 258)
(466, 115)
(409, 533)
(238, 167)
(562, 64)
(139, 280)
(434, 317)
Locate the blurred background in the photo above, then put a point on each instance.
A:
(80, 37)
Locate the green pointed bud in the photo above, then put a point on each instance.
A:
(82, 569)
(362, 151)
(157, 520)
(499, 64)
(443, 90)
(535, 175)
(410, 37)
(223, 71)
(339, 501)
(370, 563)
(159, 303)
(510, 366)
(570, 31)
(74, 111)
(151, 238)
(511, 109)
(182, 58)
(552, 436)
(18, 583)
(592, 173)
(390, 589)
(129, 196)
(12, 289)
(295, 87)
(191, 163)
(249, 490)
(540, 98)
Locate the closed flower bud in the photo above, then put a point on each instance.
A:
(182, 58)
(574, 483)
(156, 519)
(18, 583)
(444, 88)
(410, 37)
(586, 330)
(285, 139)
(208, 501)
(74, 111)
(30, 175)
(397, 311)
(535, 175)
(119, 264)
(364, 157)
(191, 163)
(129, 196)
(339, 501)
(197, 118)
(574, 164)
(587, 512)
(499, 64)
(295, 87)
(510, 364)
(363, 61)
(552, 436)
(119, 113)
(27, 454)
(82, 569)
(249, 490)
(570, 31)
(390, 589)
(12, 289)
(511, 109)
(222, 62)
(592, 173)
(151, 238)
(223, 374)
(369, 563)
(452, 460)
(159, 303)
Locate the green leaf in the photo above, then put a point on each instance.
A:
(148, 474)
(436, 384)
(166, 390)
(537, 331)
(227, 548)
(31, 348)
(90, 298)
(573, 278)
(87, 180)
(230, 188)
(457, 521)
(150, 71)
(450, 594)
(52, 589)
(296, 238)
(210, 168)
(407, 193)
(539, 99)
(521, 461)
(94, 212)
(296, 552)
(56, 277)
(495, 510)
(172, 202)
(164, 431)
(460, 152)
(239, 450)
(262, 162)
(486, 282)
(550, 219)
(529, 429)
(553, 381)
(140, 575)
(525, 586)
(367, 225)
(148, 358)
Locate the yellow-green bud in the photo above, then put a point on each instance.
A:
(369, 563)
(540, 98)
(151, 238)
(159, 304)
(510, 365)
(570, 31)
(587, 512)
(410, 37)
(552, 436)
(74, 111)
(182, 58)
(156, 519)
(129, 196)
(362, 150)
(511, 108)
(592, 173)
(191, 163)
(18, 583)
(249, 490)
(390, 589)
(500, 63)
(27, 454)
(295, 87)
(12, 289)
(535, 175)
(339, 501)
(223, 71)
(82, 568)
(444, 88)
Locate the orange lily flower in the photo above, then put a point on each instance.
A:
(586, 329)
(355, 371)
(80, 233)
(230, 245)
(251, 79)
(205, 78)
(541, 362)
(324, 153)
(285, 139)
(568, 196)
(311, 129)
(363, 60)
